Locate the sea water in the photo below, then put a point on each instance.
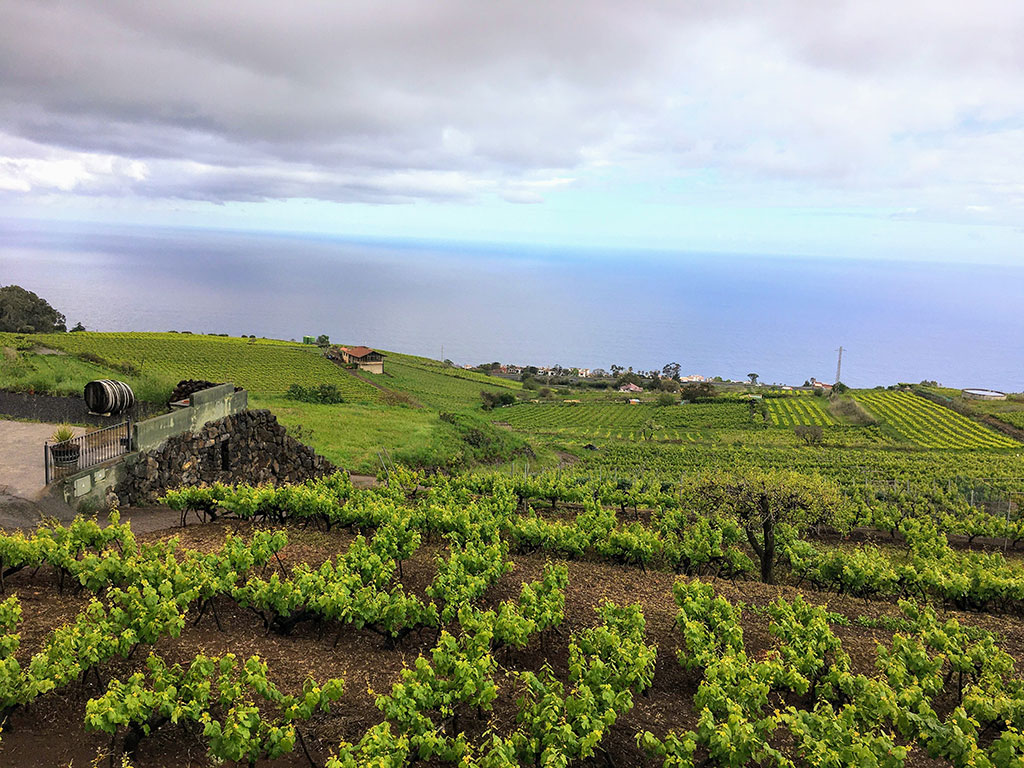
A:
(783, 318)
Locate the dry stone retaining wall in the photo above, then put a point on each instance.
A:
(246, 447)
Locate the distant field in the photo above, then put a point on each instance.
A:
(436, 387)
(262, 366)
(928, 425)
(850, 467)
(437, 367)
(798, 410)
(687, 423)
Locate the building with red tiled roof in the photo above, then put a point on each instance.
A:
(364, 358)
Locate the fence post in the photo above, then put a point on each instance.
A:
(46, 462)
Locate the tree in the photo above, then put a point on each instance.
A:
(809, 433)
(323, 340)
(767, 503)
(649, 428)
(22, 311)
(753, 378)
(839, 388)
(695, 390)
(671, 371)
(493, 400)
(616, 370)
(628, 378)
(666, 398)
(79, 327)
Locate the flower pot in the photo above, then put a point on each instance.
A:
(65, 454)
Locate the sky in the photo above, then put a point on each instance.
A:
(816, 128)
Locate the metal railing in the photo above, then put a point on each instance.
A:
(88, 450)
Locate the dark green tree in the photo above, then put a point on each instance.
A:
(22, 311)
(697, 389)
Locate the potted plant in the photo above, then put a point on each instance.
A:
(65, 453)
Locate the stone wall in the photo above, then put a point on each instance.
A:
(247, 447)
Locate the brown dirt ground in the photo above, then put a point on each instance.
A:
(51, 731)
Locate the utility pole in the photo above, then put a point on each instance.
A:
(839, 366)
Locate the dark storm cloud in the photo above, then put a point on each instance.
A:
(404, 100)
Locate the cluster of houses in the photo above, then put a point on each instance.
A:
(539, 370)
(582, 373)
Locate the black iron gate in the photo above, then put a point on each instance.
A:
(88, 450)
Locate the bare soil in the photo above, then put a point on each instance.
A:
(52, 733)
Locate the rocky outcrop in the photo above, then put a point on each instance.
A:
(248, 447)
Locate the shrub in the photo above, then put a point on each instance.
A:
(493, 400)
(809, 433)
(325, 394)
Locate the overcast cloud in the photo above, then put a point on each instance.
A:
(914, 106)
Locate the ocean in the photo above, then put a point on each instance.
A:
(783, 318)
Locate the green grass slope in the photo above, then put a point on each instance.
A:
(264, 367)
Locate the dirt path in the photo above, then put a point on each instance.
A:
(391, 397)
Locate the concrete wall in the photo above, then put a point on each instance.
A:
(206, 406)
(92, 485)
(372, 367)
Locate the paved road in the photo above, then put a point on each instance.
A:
(21, 457)
(22, 474)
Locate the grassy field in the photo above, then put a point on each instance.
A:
(351, 435)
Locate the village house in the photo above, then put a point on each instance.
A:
(630, 387)
(364, 358)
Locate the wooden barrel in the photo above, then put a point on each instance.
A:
(108, 396)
